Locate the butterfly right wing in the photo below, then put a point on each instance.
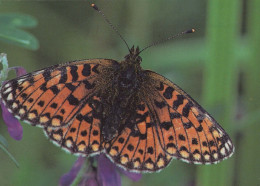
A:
(52, 96)
(137, 148)
(186, 131)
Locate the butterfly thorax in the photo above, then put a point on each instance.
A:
(123, 98)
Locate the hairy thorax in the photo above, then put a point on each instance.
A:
(120, 97)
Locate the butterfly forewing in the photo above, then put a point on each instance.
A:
(185, 130)
(52, 96)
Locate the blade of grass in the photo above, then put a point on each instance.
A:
(221, 78)
(3, 141)
(10, 155)
(249, 164)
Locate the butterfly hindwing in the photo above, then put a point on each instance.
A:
(186, 131)
(52, 96)
(82, 135)
(138, 148)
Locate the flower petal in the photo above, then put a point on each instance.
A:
(89, 178)
(13, 125)
(90, 182)
(69, 177)
(19, 70)
(107, 172)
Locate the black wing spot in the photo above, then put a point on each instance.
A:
(141, 151)
(194, 141)
(88, 85)
(64, 76)
(170, 138)
(72, 100)
(168, 92)
(186, 109)
(130, 147)
(175, 115)
(30, 100)
(204, 143)
(200, 128)
(95, 132)
(150, 150)
(160, 105)
(83, 133)
(166, 125)
(54, 105)
(121, 140)
(94, 69)
(70, 86)
(55, 89)
(178, 101)
(24, 95)
(40, 103)
(187, 125)
(86, 71)
(74, 73)
(46, 75)
(182, 138)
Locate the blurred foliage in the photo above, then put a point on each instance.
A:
(218, 66)
(10, 32)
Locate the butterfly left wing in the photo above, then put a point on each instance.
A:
(52, 96)
(185, 130)
(83, 135)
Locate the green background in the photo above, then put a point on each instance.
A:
(218, 66)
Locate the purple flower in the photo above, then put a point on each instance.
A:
(13, 125)
(19, 71)
(105, 174)
(69, 177)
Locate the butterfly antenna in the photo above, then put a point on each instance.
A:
(169, 38)
(110, 24)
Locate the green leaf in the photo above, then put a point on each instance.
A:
(10, 33)
(18, 20)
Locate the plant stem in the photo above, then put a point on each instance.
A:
(221, 78)
(249, 164)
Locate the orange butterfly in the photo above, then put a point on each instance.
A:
(138, 118)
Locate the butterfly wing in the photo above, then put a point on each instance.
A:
(137, 148)
(51, 97)
(185, 130)
(83, 135)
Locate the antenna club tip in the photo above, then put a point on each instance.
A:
(94, 6)
(190, 31)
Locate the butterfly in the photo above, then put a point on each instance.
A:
(138, 118)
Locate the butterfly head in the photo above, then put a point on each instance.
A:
(133, 55)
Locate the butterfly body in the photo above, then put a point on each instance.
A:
(138, 118)
(119, 95)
